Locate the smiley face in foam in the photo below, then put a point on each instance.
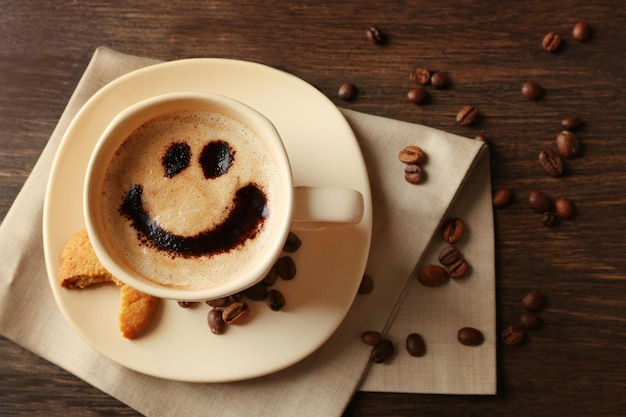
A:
(242, 222)
(187, 198)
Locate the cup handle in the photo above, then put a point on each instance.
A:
(321, 207)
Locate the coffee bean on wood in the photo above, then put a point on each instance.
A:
(551, 162)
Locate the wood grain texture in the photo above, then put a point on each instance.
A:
(574, 364)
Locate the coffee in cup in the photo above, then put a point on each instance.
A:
(190, 196)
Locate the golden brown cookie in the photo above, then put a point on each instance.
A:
(136, 311)
(80, 267)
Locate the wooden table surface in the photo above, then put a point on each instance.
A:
(574, 365)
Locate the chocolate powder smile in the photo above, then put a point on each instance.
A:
(242, 223)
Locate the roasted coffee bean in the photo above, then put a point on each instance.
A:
(502, 197)
(551, 162)
(420, 76)
(293, 243)
(371, 337)
(219, 302)
(564, 208)
(571, 123)
(539, 202)
(453, 229)
(235, 312)
(532, 91)
(286, 268)
(186, 304)
(415, 345)
(581, 31)
(551, 42)
(275, 300)
(271, 277)
(366, 286)
(411, 155)
(529, 321)
(533, 301)
(512, 335)
(216, 322)
(257, 292)
(481, 138)
(432, 276)
(470, 336)
(413, 173)
(347, 91)
(548, 219)
(440, 80)
(417, 95)
(383, 351)
(567, 144)
(467, 115)
(448, 255)
(458, 269)
(375, 35)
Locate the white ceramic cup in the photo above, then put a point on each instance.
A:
(291, 207)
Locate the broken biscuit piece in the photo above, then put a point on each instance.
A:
(136, 311)
(80, 267)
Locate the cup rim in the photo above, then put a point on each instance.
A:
(115, 133)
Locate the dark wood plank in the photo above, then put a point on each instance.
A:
(574, 364)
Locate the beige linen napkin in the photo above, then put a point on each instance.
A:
(405, 218)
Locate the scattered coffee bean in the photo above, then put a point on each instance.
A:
(432, 276)
(571, 123)
(551, 42)
(548, 219)
(235, 312)
(347, 91)
(440, 80)
(532, 91)
(533, 301)
(564, 208)
(453, 229)
(415, 345)
(366, 286)
(539, 202)
(271, 277)
(219, 302)
(448, 255)
(502, 197)
(466, 116)
(481, 138)
(186, 304)
(581, 31)
(371, 337)
(417, 95)
(375, 35)
(458, 269)
(411, 155)
(293, 243)
(551, 162)
(529, 321)
(275, 300)
(286, 268)
(257, 292)
(470, 336)
(420, 76)
(383, 351)
(512, 335)
(216, 322)
(413, 173)
(567, 144)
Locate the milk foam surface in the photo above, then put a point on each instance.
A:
(188, 203)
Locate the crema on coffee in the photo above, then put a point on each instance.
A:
(188, 199)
